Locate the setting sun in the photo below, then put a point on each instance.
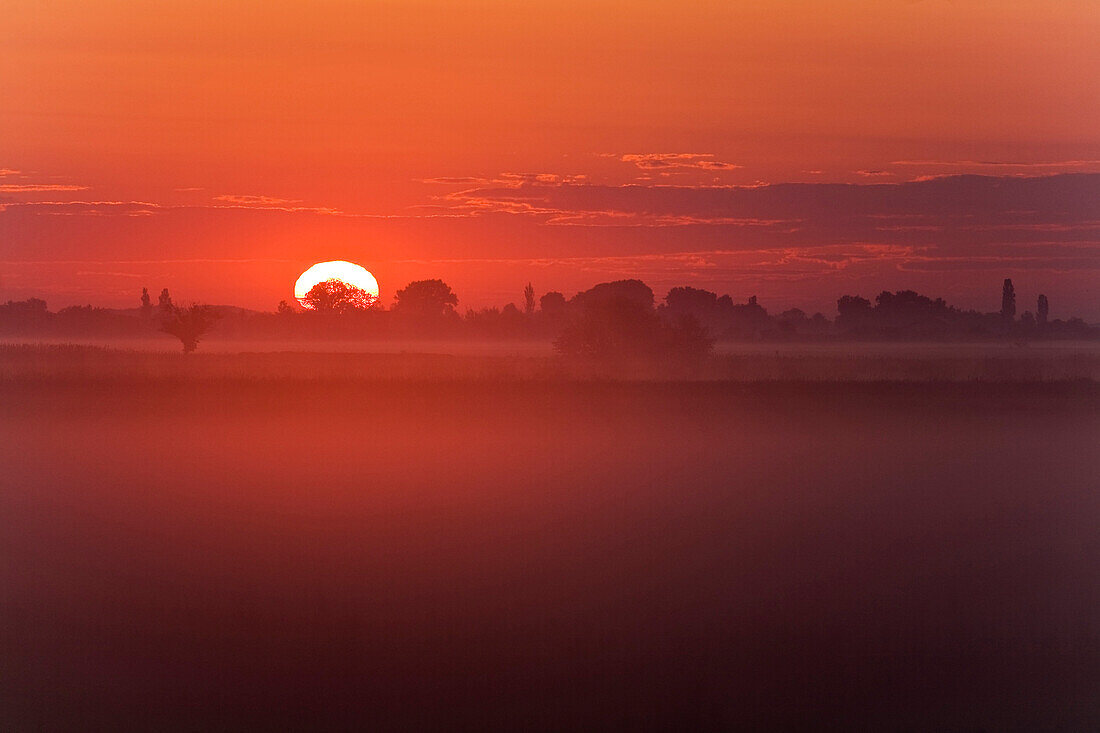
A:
(346, 272)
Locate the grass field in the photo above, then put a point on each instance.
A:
(333, 542)
(753, 363)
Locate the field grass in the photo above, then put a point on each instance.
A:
(297, 541)
(995, 363)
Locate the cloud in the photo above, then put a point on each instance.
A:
(4, 172)
(84, 208)
(1001, 164)
(247, 201)
(873, 173)
(38, 187)
(509, 179)
(660, 161)
(108, 274)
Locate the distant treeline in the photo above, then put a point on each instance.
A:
(612, 317)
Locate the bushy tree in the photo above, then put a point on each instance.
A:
(1042, 310)
(426, 298)
(188, 324)
(852, 312)
(337, 296)
(633, 293)
(617, 320)
(552, 304)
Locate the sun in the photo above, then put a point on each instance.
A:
(347, 272)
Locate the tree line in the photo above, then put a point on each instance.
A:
(620, 318)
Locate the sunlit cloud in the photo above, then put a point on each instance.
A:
(1000, 164)
(657, 161)
(39, 187)
(85, 208)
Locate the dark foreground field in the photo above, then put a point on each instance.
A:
(348, 554)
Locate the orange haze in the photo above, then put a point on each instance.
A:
(219, 148)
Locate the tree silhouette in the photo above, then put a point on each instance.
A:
(337, 296)
(632, 292)
(853, 312)
(426, 298)
(1042, 310)
(552, 304)
(529, 299)
(188, 324)
(164, 302)
(146, 303)
(1008, 300)
(617, 321)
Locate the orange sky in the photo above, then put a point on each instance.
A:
(356, 110)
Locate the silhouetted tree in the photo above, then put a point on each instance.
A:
(529, 299)
(631, 292)
(746, 320)
(853, 312)
(188, 324)
(702, 305)
(426, 298)
(693, 301)
(819, 324)
(164, 303)
(284, 308)
(617, 320)
(1042, 311)
(146, 303)
(337, 296)
(1008, 300)
(552, 304)
(22, 314)
(792, 321)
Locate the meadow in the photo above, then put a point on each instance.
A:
(303, 541)
(434, 361)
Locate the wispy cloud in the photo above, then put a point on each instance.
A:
(513, 180)
(1000, 164)
(662, 161)
(251, 200)
(85, 208)
(272, 203)
(38, 187)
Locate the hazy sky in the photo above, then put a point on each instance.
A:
(219, 148)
